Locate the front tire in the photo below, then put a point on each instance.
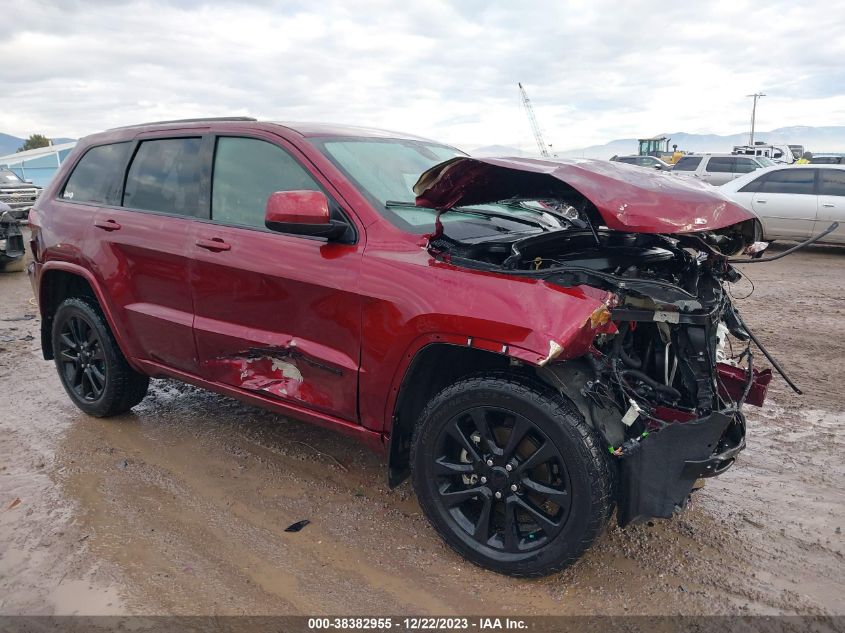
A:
(510, 475)
(91, 366)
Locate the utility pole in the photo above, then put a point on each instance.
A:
(756, 96)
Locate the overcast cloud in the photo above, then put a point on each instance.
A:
(595, 70)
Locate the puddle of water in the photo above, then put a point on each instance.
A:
(79, 597)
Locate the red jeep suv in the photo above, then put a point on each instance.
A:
(535, 343)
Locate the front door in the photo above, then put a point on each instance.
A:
(278, 315)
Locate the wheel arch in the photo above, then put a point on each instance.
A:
(434, 367)
(61, 281)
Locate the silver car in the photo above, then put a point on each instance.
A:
(644, 161)
(795, 202)
(717, 169)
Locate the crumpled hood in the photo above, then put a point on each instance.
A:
(627, 198)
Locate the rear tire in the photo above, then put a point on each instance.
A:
(525, 505)
(91, 366)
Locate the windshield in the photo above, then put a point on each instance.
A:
(765, 162)
(8, 176)
(385, 170)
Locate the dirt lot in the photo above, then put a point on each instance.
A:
(180, 507)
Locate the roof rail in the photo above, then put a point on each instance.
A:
(199, 120)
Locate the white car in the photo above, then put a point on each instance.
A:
(795, 202)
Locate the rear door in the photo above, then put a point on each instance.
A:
(831, 203)
(744, 166)
(143, 248)
(276, 314)
(95, 182)
(719, 170)
(786, 203)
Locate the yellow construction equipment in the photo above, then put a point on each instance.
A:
(658, 147)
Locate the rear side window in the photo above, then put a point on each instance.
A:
(832, 182)
(165, 177)
(720, 164)
(755, 185)
(246, 172)
(745, 165)
(98, 176)
(800, 181)
(687, 163)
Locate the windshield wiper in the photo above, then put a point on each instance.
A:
(470, 211)
(402, 203)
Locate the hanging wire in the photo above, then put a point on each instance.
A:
(748, 279)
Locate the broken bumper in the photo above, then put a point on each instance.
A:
(11, 240)
(658, 477)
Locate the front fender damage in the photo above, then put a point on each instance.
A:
(654, 353)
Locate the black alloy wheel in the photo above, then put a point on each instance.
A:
(82, 362)
(91, 366)
(510, 474)
(502, 479)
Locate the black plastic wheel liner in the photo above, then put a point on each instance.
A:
(652, 479)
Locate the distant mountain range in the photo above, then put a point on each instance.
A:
(814, 139)
(9, 144)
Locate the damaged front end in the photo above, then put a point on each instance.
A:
(668, 364)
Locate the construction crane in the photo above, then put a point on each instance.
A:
(538, 135)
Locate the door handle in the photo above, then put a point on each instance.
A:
(829, 205)
(760, 201)
(107, 225)
(215, 244)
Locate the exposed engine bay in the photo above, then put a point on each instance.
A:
(665, 378)
(665, 363)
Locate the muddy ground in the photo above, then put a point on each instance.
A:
(180, 507)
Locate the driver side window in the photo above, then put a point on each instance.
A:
(246, 172)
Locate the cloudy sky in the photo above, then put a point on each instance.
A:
(595, 70)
